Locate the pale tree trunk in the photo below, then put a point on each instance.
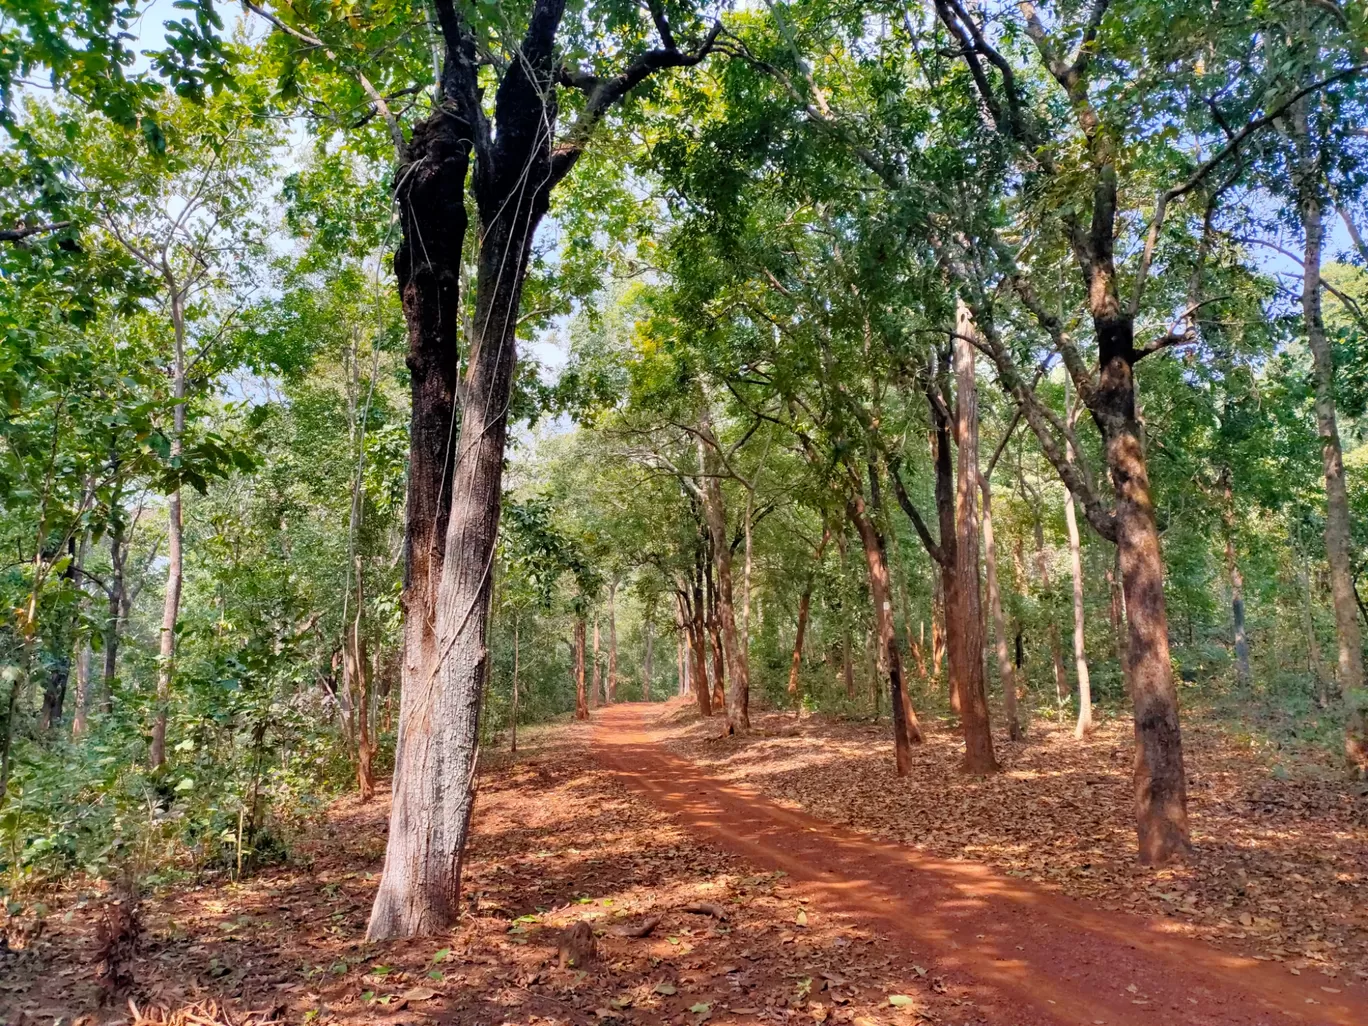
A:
(166, 652)
(1004, 659)
(595, 694)
(1237, 609)
(1338, 543)
(1084, 725)
(612, 643)
(513, 717)
(1061, 678)
(974, 718)
(646, 663)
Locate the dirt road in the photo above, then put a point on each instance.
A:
(1028, 956)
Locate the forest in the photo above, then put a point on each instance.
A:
(645, 511)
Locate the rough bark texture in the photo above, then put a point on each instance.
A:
(1000, 648)
(978, 736)
(1160, 780)
(1338, 543)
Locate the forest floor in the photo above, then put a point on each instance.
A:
(817, 923)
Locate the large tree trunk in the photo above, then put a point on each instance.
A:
(439, 714)
(906, 729)
(166, 653)
(715, 513)
(1084, 725)
(966, 659)
(1004, 658)
(1160, 781)
(1337, 522)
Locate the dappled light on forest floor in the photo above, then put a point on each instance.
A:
(557, 841)
(1280, 869)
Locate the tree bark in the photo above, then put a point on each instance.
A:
(595, 693)
(1061, 678)
(1084, 725)
(646, 663)
(906, 729)
(513, 717)
(581, 698)
(1314, 663)
(715, 514)
(1004, 659)
(796, 663)
(83, 650)
(966, 658)
(1338, 542)
(612, 642)
(118, 553)
(166, 653)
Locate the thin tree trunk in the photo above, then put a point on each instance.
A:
(1338, 543)
(646, 663)
(968, 654)
(612, 642)
(1004, 659)
(513, 718)
(906, 729)
(118, 553)
(596, 695)
(796, 663)
(1314, 663)
(83, 650)
(166, 654)
(1061, 678)
(1237, 610)
(581, 698)
(1084, 725)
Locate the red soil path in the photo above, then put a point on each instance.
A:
(1030, 958)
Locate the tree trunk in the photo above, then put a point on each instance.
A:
(596, 694)
(513, 717)
(1314, 663)
(581, 695)
(646, 664)
(612, 643)
(1061, 677)
(715, 513)
(1160, 781)
(1084, 725)
(937, 626)
(966, 658)
(1004, 659)
(118, 553)
(83, 651)
(1338, 543)
(953, 608)
(1237, 611)
(906, 729)
(357, 685)
(796, 663)
(439, 714)
(166, 654)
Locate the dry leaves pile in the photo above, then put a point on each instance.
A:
(1280, 870)
(683, 934)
